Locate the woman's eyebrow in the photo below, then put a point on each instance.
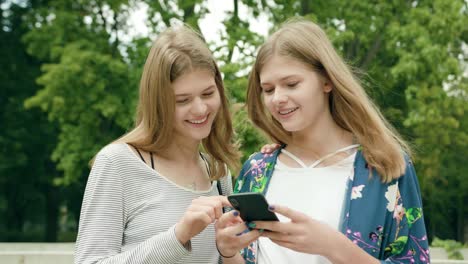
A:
(206, 89)
(281, 79)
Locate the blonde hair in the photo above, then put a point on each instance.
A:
(350, 106)
(178, 51)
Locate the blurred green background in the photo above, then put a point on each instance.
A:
(69, 85)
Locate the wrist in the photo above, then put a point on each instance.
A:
(181, 234)
(344, 250)
(224, 255)
(335, 250)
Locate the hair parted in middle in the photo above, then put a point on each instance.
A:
(177, 51)
(350, 106)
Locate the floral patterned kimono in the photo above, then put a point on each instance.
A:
(384, 219)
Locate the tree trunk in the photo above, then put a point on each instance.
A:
(14, 215)
(52, 208)
(460, 219)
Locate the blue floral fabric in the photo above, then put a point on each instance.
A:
(384, 219)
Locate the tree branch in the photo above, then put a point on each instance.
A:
(305, 7)
(352, 48)
(103, 18)
(235, 20)
(115, 29)
(372, 51)
(161, 9)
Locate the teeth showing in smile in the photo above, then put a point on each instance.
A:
(198, 121)
(288, 111)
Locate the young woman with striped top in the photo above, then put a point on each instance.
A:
(152, 196)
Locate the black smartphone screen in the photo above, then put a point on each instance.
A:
(252, 207)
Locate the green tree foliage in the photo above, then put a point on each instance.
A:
(163, 13)
(414, 58)
(452, 247)
(235, 56)
(88, 89)
(89, 78)
(28, 200)
(410, 56)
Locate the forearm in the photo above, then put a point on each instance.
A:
(345, 251)
(161, 248)
(237, 259)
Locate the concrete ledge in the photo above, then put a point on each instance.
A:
(448, 261)
(62, 253)
(37, 246)
(36, 258)
(36, 253)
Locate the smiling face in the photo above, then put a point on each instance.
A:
(197, 103)
(295, 95)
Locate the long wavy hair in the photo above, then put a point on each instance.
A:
(177, 51)
(350, 106)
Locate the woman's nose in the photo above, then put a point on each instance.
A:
(279, 97)
(199, 106)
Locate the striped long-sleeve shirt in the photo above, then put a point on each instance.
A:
(129, 212)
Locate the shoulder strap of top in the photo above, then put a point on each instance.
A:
(143, 159)
(139, 153)
(317, 162)
(293, 157)
(218, 182)
(218, 185)
(206, 164)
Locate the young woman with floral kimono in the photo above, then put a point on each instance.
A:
(342, 184)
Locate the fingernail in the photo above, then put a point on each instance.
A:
(251, 225)
(243, 232)
(235, 213)
(271, 208)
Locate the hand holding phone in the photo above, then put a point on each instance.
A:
(252, 207)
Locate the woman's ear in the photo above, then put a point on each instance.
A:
(327, 86)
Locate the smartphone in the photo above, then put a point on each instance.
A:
(252, 207)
